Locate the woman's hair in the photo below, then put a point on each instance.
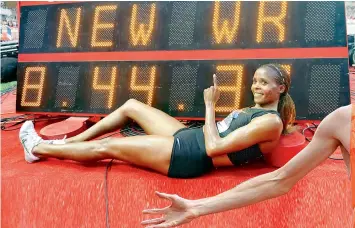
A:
(286, 106)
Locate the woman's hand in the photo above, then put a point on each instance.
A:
(179, 212)
(211, 95)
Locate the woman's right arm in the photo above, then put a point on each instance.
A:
(327, 138)
(272, 184)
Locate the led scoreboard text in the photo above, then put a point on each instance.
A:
(91, 57)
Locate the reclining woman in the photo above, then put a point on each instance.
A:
(172, 149)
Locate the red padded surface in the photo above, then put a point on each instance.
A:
(57, 193)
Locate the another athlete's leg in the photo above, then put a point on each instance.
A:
(149, 151)
(152, 120)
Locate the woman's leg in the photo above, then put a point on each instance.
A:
(152, 120)
(149, 151)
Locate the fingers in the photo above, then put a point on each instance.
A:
(215, 80)
(164, 225)
(165, 196)
(155, 210)
(153, 221)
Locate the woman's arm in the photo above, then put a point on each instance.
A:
(211, 96)
(210, 129)
(272, 184)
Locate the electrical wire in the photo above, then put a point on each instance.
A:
(108, 167)
(11, 123)
(132, 129)
(8, 124)
(313, 128)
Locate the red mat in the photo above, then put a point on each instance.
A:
(57, 193)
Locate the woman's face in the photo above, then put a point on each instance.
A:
(265, 88)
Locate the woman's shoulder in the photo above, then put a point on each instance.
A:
(267, 115)
(261, 111)
(269, 122)
(257, 112)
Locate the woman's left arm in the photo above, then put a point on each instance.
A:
(211, 96)
(210, 128)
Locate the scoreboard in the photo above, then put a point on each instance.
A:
(88, 58)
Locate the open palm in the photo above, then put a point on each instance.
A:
(179, 212)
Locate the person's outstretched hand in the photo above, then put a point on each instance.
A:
(179, 212)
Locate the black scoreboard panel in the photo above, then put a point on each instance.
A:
(131, 26)
(318, 87)
(116, 30)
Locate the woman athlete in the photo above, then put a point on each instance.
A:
(174, 150)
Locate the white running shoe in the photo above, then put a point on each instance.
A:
(29, 139)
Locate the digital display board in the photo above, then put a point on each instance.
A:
(90, 57)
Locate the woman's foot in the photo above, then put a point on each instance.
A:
(29, 140)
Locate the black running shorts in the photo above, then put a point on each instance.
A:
(189, 158)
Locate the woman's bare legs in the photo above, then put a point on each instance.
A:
(149, 151)
(152, 120)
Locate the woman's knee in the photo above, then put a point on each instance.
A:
(131, 107)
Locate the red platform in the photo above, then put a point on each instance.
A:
(66, 128)
(55, 193)
(289, 146)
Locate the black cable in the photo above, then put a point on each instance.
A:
(5, 122)
(12, 118)
(5, 125)
(133, 129)
(23, 118)
(309, 128)
(108, 166)
(337, 159)
(130, 130)
(313, 128)
(13, 129)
